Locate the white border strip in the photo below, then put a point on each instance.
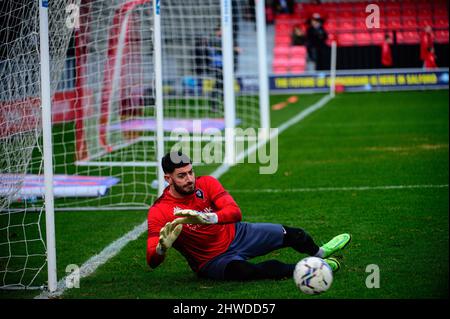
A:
(91, 265)
(334, 189)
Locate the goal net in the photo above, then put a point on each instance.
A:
(193, 68)
(115, 114)
(111, 136)
(104, 113)
(22, 241)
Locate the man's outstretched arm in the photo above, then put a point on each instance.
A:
(161, 236)
(226, 209)
(153, 258)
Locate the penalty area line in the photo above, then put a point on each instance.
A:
(91, 265)
(335, 189)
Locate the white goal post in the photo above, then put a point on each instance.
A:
(34, 41)
(47, 144)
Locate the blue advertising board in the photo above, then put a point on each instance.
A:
(361, 80)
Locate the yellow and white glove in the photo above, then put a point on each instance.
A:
(190, 216)
(167, 236)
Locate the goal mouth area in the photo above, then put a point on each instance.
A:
(142, 130)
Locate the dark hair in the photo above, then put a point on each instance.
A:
(174, 160)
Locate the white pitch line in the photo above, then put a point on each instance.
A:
(96, 261)
(334, 189)
(91, 265)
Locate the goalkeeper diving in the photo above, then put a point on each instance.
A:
(200, 219)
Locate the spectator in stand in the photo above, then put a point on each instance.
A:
(270, 11)
(430, 60)
(201, 56)
(386, 52)
(249, 13)
(215, 63)
(284, 6)
(426, 42)
(315, 42)
(298, 35)
(236, 16)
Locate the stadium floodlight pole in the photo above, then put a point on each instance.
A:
(228, 80)
(262, 65)
(158, 92)
(333, 69)
(47, 141)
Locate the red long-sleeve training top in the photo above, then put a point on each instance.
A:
(197, 243)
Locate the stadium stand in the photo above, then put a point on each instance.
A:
(345, 22)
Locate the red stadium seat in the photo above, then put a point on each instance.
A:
(440, 23)
(359, 7)
(286, 18)
(346, 39)
(283, 28)
(360, 25)
(298, 69)
(281, 62)
(384, 23)
(408, 3)
(441, 13)
(409, 12)
(425, 13)
(344, 14)
(391, 5)
(280, 70)
(408, 37)
(393, 13)
(346, 25)
(331, 37)
(363, 38)
(345, 6)
(280, 66)
(441, 36)
(378, 37)
(425, 22)
(360, 15)
(296, 61)
(298, 21)
(282, 40)
(394, 23)
(297, 51)
(425, 8)
(281, 52)
(409, 23)
(330, 25)
(332, 12)
(298, 9)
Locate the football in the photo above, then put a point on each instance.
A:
(313, 275)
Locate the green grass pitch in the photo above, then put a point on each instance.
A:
(356, 140)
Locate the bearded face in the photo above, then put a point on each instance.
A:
(182, 180)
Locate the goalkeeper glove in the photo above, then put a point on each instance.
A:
(167, 236)
(189, 216)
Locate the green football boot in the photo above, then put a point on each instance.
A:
(334, 264)
(336, 244)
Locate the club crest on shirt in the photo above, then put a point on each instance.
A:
(199, 193)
